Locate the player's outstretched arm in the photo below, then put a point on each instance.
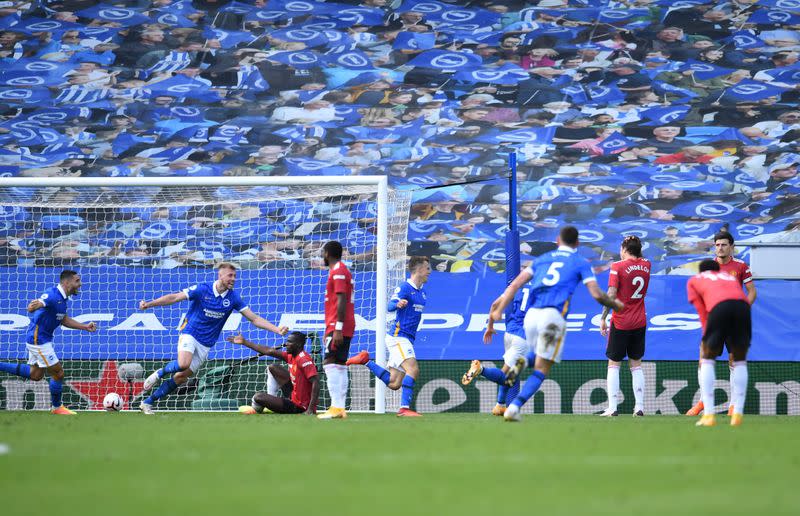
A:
(602, 298)
(69, 322)
(35, 305)
(501, 303)
(260, 322)
(612, 293)
(258, 348)
(312, 403)
(169, 299)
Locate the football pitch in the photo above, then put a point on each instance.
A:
(127, 463)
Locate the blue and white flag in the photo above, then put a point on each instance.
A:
(705, 71)
(358, 15)
(300, 59)
(745, 40)
(785, 74)
(181, 86)
(167, 231)
(237, 8)
(228, 38)
(533, 136)
(773, 17)
(267, 16)
(749, 90)
(447, 60)
(506, 74)
(311, 167)
(439, 12)
(615, 143)
(732, 134)
(664, 115)
(711, 209)
(110, 13)
(311, 38)
(126, 140)
(605, 94)
(173, 19)
(786, 5)
(414, 41)
(664, 88)
(80, 95)
(33, 25)
(351, 59)
(622, 15)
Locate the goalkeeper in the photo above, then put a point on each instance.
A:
(299, 384)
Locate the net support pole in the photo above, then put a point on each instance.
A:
(381, 286)
(512, 236)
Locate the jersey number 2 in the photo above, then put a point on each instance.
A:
(638, 282)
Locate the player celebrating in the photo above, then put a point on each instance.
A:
(516, 346)
(211, 305)
(299, 384)
(724, 313)
(723, 246)
(49, 312)
(627, 282)
(340, 325)
(553, 276)
(409, 301)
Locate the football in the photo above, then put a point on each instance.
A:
(112, 402)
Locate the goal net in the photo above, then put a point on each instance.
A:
(134, 239)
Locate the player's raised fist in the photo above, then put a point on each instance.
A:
(142, 305)
(91, 327)
(283, 330)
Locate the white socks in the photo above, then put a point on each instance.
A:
(338, 383)
(637, 376)
(272, 385)
(612, 387)
(706, 376)
(738, 386)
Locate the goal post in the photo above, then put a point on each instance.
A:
(143, 237)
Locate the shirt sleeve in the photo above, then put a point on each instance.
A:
(308, 368)
(399, 293)
(585, 271)
(48, 299)
(613, 277)
(238, 303)
(192, 292)
(339, 283)
(747, 276)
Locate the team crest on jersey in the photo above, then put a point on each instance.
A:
(226, 303)
(45, 296)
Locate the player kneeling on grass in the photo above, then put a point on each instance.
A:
(299, 384)
(409, 301)
(724, 313)
(49, 312)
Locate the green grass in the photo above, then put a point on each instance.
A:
(122, 464)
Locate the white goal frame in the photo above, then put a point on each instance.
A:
(380, 183)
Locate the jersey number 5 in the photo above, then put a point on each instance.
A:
(553, 275)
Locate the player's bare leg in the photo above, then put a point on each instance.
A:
(612, 389)
(56, 372)
(184, 363)
(406, 378)
(706, 377)
(541, 370)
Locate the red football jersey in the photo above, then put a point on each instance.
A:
(631, 278)
(339, 282)
(301, 371)
(738, 269)
(710, 288)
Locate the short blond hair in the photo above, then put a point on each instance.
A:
(227, 265)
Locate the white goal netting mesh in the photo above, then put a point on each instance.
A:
(138, 243)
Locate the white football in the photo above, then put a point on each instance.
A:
(112, 402)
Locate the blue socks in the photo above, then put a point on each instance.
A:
(513, 392)
(163, 389)
(531, 356)
(407, 391)
(55, 393)
(493, 374)
(529, 389)
(23, 370)
(169, 369)
(502, 394)
(379, 372)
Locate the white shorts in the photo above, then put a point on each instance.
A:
(199, 352)
(400, 350)
(41, 355)
(516, 347)
(545, 329)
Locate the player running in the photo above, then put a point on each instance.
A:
(627, 282)
(408, 301)
(724, 248)
(553, 276)
(340, 325)
(724, 313)
(516, 346)
(299, 383)
(49, 312)
(211, 305)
